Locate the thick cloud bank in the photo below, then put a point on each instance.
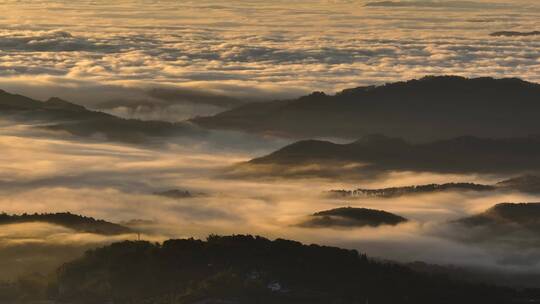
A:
(94, 51)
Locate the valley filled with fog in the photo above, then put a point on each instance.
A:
(46, 173)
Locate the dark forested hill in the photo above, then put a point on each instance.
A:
(179, 194)
(524, 183)
(246, 269)
(522, 215)
(68, 220)
(352, 217)
(426, 109)
(508, 224)
(59, 115)
(515, 34)
(379, 153)
(407, 190)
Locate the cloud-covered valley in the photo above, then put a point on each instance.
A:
(117, 182)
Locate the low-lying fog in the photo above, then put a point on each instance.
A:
(115, 182)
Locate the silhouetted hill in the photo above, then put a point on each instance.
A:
(515, 34)
(178, 194)
(430, 108)
(520, 214)
(525, 183)
(407, 190)
(53, 107)
(510, 224)
(61, 115)
(68, 220)
(246, 269)
(379, 153)
(430, 4)
(352, 217)
(18, 102)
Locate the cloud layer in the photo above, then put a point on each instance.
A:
(92, 51)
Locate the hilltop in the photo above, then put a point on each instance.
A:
(352, 217)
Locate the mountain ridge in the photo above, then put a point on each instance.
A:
(430, 108)
(463, 154)
(77, 120)
(68, 220)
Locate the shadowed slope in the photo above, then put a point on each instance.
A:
(68, 220)
(526, 215)
(426, 109)
(246, 269)
(60, 115)
(378, 154)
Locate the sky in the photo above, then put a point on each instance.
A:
(92, 52)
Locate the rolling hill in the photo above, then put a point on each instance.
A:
(352, 217)
(408, 190)
(68, 220)
(524, 183)
(526, 215)
(508, 224)
(380, 153)
(59, 115)
(431, 108)
(247, 269)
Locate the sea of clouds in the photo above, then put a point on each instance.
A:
(93, 52)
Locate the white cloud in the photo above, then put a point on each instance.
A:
(245, 48)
